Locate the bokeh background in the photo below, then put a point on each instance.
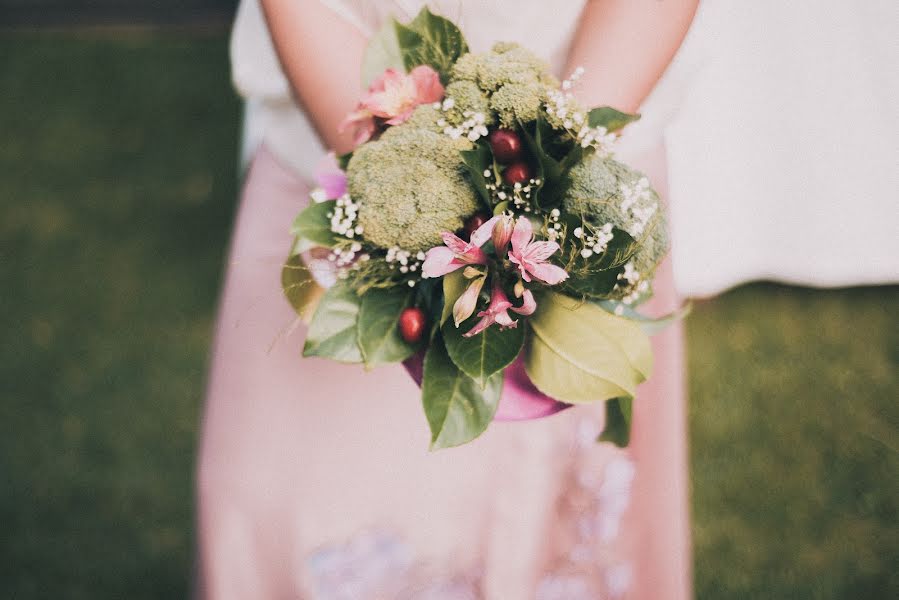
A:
(118, 179)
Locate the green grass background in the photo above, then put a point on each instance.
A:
(117, 190)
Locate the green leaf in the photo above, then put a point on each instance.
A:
(621, 249)
(618, 422)
(549, 170)
(377, 331)
(458, 410)
(650, 325)
(343, 161)
(599, 277)
(300, 288)
(482, 355)
(312, 227)
(332, 332)
(382, 53)
(581, 353)
(610, 118)
(501, 207)
(430, 40)
(477, 160)
(454, 285)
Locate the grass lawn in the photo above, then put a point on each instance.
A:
(117, 186)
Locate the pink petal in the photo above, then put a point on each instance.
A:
(522, 265)
(401, 118)
(362, 123)
(547, 273)
(483, 233)
(540, 251)
(439, 261)
(465, 305)
(528, 305)
(427, 84)
(388, 77)
(522, 235)
(504, 320)
(483, 324)
(502, 233)
(330, 178)
(454, 242)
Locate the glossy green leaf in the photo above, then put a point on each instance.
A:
(382, 53)
(377, 331)
(300, 288)
(432, 40)
(454, 284)
(610, 118)
(548, 169)
(618, 422)
(343, 160)
(598, 278)
(312, 227)
(332, 332)
(477, 160)
(457, 408)
(482, 355)
(581, 353)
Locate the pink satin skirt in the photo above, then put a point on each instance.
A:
(315, 480)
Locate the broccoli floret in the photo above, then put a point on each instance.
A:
(595, 193)
(517, 102)
(513, 80)
(410, 186)
(467, 98)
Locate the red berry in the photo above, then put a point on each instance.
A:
(412, 324)
(518, 172)
(474, 222)
(506, 145)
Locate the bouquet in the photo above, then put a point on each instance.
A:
(482, 234)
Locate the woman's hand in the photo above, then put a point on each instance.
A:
(321, 54)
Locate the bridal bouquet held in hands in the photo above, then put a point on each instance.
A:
(482, 234)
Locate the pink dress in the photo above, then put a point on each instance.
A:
(315, 480)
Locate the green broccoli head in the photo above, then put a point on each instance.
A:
(410, 187)
(511, 81)
(595, 192)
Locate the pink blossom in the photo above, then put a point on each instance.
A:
(528, 305)
(330, 177)
(456, 253)
(392, 97)
(466, 303)
(531, 257)
(502, 233)
(497, 312)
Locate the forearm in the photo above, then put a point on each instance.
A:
(625, 47)
(321, 56)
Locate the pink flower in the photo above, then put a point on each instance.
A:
(362, 122)
(392, 97)
(466, 303)
(528, 305)
(502, 232)
(330, 178)
(497, 312)
(531, 257)
(456, 253)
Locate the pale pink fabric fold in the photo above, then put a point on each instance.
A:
(315, 480)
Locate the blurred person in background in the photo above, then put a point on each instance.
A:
(314, 478)
(773, 133)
